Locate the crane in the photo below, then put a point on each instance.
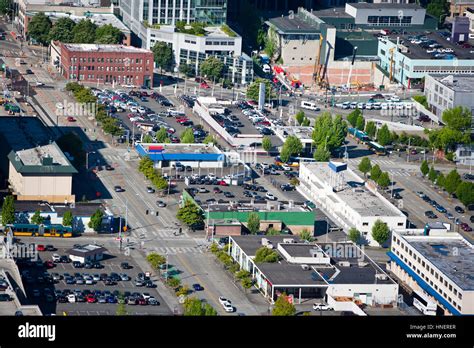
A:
(350, 69)
(391, 63)
(317, 65)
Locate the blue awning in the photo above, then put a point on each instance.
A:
(424, 285)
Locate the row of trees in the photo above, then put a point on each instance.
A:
(190, 214)
(66, 30)
(232, 266)
(84, 95)
(329, 133)
(452, 183)
(376, 174)
(146, 167)
(380, 233)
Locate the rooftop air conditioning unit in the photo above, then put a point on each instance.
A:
(288, 240)
(363, 264)
(344, 263)
(305, 267)
(381, 276)
(265, 241)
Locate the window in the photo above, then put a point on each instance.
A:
(365, 224)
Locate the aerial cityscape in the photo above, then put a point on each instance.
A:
(236, 158)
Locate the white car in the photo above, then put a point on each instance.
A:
(369, 106)
(361, 106)
(322, 307)
(270, 196)
(223, 300)
(56, 258)
(384, 106)
(133, 109)
(71, 298)
(146, 295)
(141, 110)
(211, 176)
(228, 307)
(285, 167)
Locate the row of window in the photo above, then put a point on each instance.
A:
(108, 78)
(427, 270)
(109, 60)
(108, 68)
(219, 43)
(394, 20)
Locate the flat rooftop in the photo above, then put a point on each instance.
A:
(80, 209)
(100, 19)
(23, 132)
(41, 160)
(104, 48)
(453, 257)
(377, 6)
(336, 12)
(415, 51)
(295, 25)
(458, 83)
(302, 133)
(183, 148)
(251, 243)
(290, 274)
(354, 192)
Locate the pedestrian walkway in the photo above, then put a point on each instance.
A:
(373, 161)
(178, 250)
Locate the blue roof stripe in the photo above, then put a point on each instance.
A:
(163, 156)
(424, 285)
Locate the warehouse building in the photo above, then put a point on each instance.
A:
(347, 198)
(339, 273)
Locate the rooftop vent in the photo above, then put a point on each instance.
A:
(344, 263)
(381, 276)
(47, 160)
(316, 253)
(362, 264)
(305, 267)
(288, 240)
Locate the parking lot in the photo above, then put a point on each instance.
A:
(45, 286)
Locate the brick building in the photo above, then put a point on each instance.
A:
(105, 64)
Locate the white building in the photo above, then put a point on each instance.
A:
(87, 253)
(347, 198)
(464, 155)
(440, 265)
(334, 272)
(386, 14)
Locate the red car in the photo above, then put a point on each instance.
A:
(144, 94)
(71, 119)
(182, 119)
(175, 140)
(222, 183)
(142, 302)
(90, 298)
(49, 264)
(40, 247)
(264, 123)
(204, 85)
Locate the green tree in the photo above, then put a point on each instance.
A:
(441, 180)
(300, 116)
(371, 129)
(306, 122)
(383, 136)
(272, 232)
(285, 154)
(96, 220)
(111, 126)
(37, 219)
(173, 283)
(425, 169)
(384, 180)
(159, 182)
(62, 30)
(121, 309)
(190, 214)
(354, 235)
(147, 139)
(108, 34)
(375, 172)
(458, 118)
(283, 308)
(452, 181)
(84, 32)
(270, 45)
(305, 234)
(8, 210)
(155, 260)
(437, 8)
(254, 89)
(192, 307)
(365, 166)
(209, 311)
(187, 137)
(321, 154)
(39, 27)
(253, 223)
(432, 175)
(267, 144)
(210, 139)
(380, 232)
(186, 70)
(353, 116)
(242, 274)
(161, 135)
(198, 28)
(163, 54)
(5, 6)
(184, 290)
(212, 67)
(329, 132)
(266, 255)
(68, 218)
(465, 193)
(246, 283)
(360, 122)
(294, 145)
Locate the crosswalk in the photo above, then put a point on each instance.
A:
(394, 172)
(178, 250)
(356, 161)
(167, 234)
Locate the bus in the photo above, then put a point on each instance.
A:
(43, 230)
(423, 303)
(360, 136)
(292, 162)
(309, 105)
(377, 148)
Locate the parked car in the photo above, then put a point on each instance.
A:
(322, 307)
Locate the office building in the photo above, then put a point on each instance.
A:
(347, 198)
(110, 64)
(440, 265)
